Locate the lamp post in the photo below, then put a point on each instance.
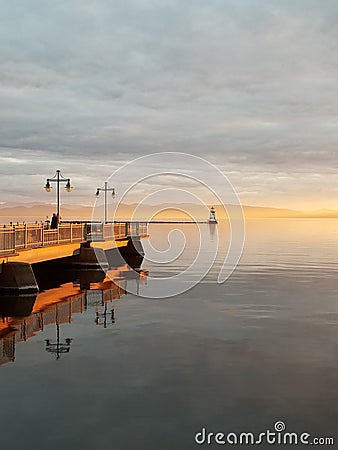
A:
(105, 189)
(58, 178)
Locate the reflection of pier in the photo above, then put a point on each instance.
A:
(46, 312)
(56, 306)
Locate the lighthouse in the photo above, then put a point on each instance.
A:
(212, 216)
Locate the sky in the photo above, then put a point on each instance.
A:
(249, 85)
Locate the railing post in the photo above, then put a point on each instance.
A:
(126, 231)
(14, 243)
(71, 233)
(25, 236)
(42, 235)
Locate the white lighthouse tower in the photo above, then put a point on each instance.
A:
(212, 216)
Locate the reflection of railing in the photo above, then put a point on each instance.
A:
(14, 238)
(7, 348)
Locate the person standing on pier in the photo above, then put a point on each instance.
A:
(54, 222)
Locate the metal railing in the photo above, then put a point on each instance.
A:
(14, 238)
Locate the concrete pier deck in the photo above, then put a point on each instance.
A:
(83, 245)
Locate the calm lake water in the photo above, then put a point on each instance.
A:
(229, 357)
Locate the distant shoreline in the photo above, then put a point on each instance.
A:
(170, 212)
(5, 220)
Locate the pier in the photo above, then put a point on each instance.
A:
(80, 244)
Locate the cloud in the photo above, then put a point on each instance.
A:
(249, 84)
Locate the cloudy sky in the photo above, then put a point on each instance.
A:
(251, 85)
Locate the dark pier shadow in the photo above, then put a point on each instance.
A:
(17, 306)
(132, 255)
(52, 274)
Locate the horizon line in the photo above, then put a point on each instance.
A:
(5, 205)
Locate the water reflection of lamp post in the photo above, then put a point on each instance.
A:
(58, 178)
(58, 347)
(99, 316)
(105, 189)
